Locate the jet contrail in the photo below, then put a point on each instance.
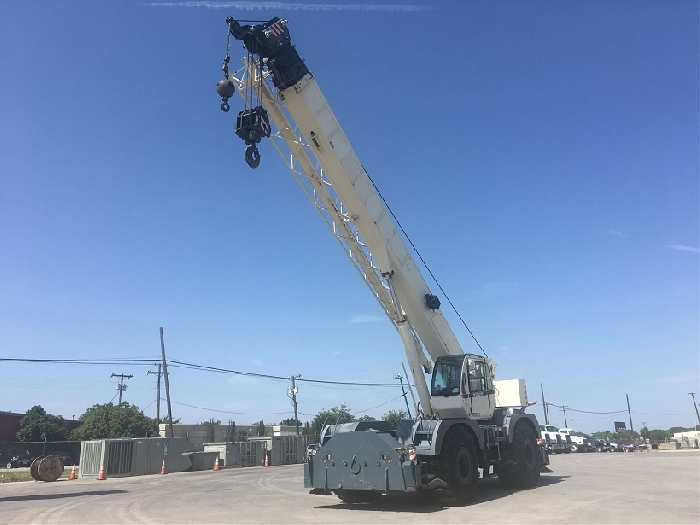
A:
(281, 6)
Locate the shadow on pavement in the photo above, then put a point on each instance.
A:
(424, 502)
(30, 497)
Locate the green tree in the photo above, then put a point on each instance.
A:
(230, 431)
(291, 422)
(673, 430)
(658, 436)
(367, 418)
(110, 421)
(211, 428)
(334, 416)
(166, 421)
(394, 417)
(625, 436)
(37, 425)
(261, 428)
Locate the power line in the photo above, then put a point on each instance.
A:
(586, 411)
(193, 366)
(277, 378)
(275, 413)
(425, 264)
(211, 409)
(134, 362)
(381, 405)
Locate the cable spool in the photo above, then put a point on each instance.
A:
(46, 468)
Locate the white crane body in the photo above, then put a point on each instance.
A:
(460, 424)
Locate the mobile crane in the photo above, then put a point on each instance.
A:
(466, 419)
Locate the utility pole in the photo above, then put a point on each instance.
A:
(544, 407)
(293, 393)
(695, 406)
(629, 411)
(403, 392)
(167, 384)
(158, 373)
(410, 390)
(564, 407)
(121, 386)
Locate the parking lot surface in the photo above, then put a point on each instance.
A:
(640, 487)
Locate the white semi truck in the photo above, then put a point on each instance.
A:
(466, 419)
(578, 442)
(554, 441)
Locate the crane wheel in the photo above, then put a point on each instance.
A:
(459, 464)
(520, 468)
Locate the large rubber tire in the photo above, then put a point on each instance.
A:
(574, 447)
(520, 468)
(358, 496)
(459, 464)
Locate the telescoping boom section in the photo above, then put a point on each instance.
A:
(296, 106)
(465, 418)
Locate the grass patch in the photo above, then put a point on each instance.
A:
(10, 477)
(24, 475)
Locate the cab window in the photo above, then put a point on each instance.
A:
(445, 381)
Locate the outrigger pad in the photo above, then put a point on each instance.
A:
(252, 125)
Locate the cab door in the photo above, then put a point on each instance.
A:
(477, 388)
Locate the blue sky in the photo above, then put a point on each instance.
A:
(542, 156)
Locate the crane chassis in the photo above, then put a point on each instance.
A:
(466, 420)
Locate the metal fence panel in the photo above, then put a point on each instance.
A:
(91, 458)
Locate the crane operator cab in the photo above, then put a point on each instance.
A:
(462, 386)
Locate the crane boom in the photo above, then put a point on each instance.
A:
(346, 197)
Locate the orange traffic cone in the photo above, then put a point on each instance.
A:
(266, 464)
(102, 472)
(72, 473)
(216, 464)
(162, 469)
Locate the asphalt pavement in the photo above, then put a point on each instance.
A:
(639, 487)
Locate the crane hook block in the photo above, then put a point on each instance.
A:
(225, 89)
(252, 125)
(252, 156)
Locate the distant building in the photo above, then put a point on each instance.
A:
(9, 426)
(688, 439)
(217, 433)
